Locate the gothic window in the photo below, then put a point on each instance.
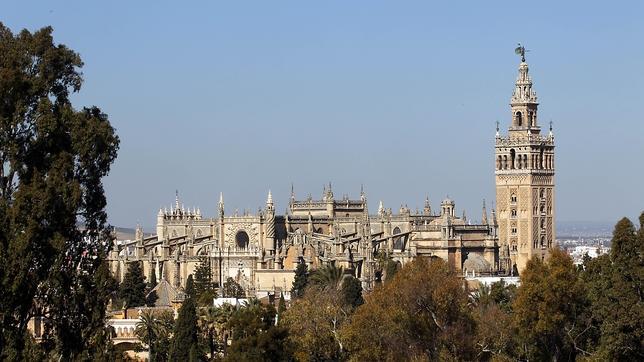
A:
(543, 209)
(530, 119)
(398, 241)
(513, 198)
(542, 194)
(519, 120)
(525, 161)
(513, 213)
(543, 223)
(505, 162)
(241, 239)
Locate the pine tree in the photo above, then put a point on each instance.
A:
(185, 332)
(301, 280)
(132, 289)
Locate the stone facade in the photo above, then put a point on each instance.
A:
(261, 250)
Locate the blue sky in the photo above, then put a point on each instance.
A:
(243, 96)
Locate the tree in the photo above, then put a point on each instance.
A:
(614, 284)
(150, 294)
(132, 289)
(204, 287)
(232, 289)
(154, 329)
(52, 161)
(281, 306)
(208, 327)
(190, 288)
(352, 291)
(421, 314)
(185, 332)
(314, 322)
(549, 309)
(153, 280)
(301, 279)
(329, 276)
(255, 336)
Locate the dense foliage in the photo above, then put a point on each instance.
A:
(53, 158)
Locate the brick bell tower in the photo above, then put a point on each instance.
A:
(525, 180)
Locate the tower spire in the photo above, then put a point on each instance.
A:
(484, 217)
(221, 205)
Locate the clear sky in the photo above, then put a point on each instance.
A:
(401, 96)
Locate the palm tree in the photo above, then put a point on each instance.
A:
(482, 297)
(208, 323)
(329, 277)
(153, 329)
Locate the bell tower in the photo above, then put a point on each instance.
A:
(525, 185)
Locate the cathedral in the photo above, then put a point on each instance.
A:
(260, 251)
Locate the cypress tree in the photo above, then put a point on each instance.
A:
(190, 287)
(281, 306)
(185, 332)
(301, 280)
(132, 290)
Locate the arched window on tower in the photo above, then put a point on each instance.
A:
(525, 161)
(530, 119)
(519, 119)
(513, 198)
(505, 162)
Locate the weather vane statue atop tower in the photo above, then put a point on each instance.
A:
(520, 50)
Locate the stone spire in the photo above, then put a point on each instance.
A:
(484, 217)
(523, 92)
(524, 100)
(176, 200)
(464, 217)
(381, 209)
(329, 193)
(221, 205)
(269, 200)
(292, 193)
